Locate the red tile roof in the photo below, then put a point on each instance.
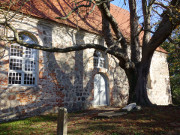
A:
(50, 9)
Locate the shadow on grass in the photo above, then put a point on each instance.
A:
(40, 118)
(156, 120)
(104, 129)
(146, 122)
(37, 125)
(94, 128)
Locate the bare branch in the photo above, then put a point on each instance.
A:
(80, 47)
(151, 2)
(104, 9)
(147, 26)
(161, 4)
(2, 54)
(172, 11)
(156, 12)
(19, 9)
(135, 44)
(77, 7)
(164, 29)
(118, 54)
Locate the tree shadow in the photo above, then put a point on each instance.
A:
(150, 120)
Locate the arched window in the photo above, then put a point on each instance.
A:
(99, 59)
(23, 62)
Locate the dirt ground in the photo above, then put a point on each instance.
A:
(158, 120)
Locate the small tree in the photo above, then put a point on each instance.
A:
(135, 68)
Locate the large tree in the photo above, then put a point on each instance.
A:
(137, 66)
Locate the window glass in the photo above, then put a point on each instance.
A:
(16, 50)
(22, 63)
(99, 59)
(15, 64)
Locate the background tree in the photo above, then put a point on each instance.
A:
(137, 66)
(174, 64)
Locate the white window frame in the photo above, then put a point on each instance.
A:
(99, 62)
(23, 71)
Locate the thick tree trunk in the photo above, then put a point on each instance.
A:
(137, 79)
(141, 86)
(132, 80)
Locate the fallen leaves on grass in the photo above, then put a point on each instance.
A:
(149, 121)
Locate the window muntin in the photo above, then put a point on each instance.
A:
(99, 60)
(23, 63)
(15, 64)
(29, 79)
(15, 78)
(16, 50)
(30, 65)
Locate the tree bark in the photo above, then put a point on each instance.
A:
(132, 80)
(142, 78)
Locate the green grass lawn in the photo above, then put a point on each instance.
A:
(149, 121)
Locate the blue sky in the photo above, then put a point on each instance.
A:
(120, 3)
(155, 18)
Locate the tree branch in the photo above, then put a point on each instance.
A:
(172, 10)
(146, 15)
(76, 8)
(135, 44)
(118, 54)
(104, 10)
(164, 29)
